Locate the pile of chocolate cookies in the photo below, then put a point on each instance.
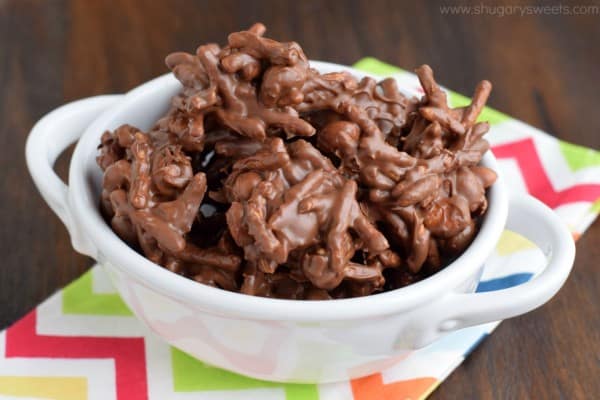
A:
(269, 178)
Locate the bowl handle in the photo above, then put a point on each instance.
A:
(532, 219)
(50, 136)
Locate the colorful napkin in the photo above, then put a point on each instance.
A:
(83, 342)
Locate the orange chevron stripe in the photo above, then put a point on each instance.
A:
(372, 387)
(46, 387)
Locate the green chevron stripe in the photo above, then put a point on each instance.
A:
(79, 298)
(374, 66)
(579, 157)
(596, 207)
(192, 375)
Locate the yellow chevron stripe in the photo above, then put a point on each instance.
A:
(511, 242)
(45, 387)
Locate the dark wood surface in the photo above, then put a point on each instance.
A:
(544, 69)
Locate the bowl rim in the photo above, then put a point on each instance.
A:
(113, 251)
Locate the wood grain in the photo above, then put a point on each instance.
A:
(544, 69)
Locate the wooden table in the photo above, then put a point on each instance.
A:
(545, 72)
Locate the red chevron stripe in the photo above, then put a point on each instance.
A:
(128, 353)
(536, 179)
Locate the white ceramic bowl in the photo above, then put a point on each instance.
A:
(281, 340)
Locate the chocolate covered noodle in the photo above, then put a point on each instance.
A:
(269, 178)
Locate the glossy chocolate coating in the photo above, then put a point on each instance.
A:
(271, 179)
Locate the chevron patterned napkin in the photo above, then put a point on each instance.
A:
(83, 342)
